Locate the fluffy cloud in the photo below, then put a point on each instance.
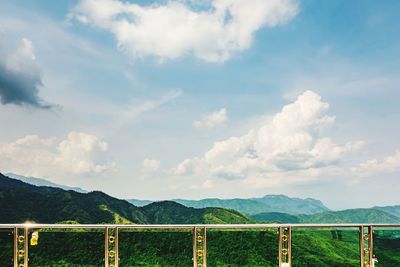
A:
(212, 30)
(213, 119)
(20, 77)
(390, 164)
(150, 165)
(287, 148)
(78, 154)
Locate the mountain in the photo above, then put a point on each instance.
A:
(344, 216)
(22, 202)
(43, 182)
(169, 212)
(251, 206)
(394, 210)
(351, 216)
(275, 217)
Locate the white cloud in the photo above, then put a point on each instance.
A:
(390, 164)
(136, 110)
(212, 30)
(286, 149)
(150, 165)
(78, 154)
(207, 184)
(213, 119)
(24, 59)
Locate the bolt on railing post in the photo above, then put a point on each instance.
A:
(285, 247)
(199, 247)
(366, 246)
(21, 247)
(111, 258)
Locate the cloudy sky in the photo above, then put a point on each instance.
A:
(204, 98)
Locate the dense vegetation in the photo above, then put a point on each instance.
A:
(224, 248)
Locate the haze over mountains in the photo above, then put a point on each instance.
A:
(43, 182)
(268, 203)
(22, 202)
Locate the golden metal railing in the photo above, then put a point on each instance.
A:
(111, 257)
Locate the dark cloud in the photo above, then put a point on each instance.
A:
(20, 78)
(16, 88)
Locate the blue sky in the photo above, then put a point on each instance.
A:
(194, 99)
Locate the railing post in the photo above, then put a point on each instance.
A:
(111, 258)
(199, 247)
(366, 246)
(285, 247)
(21, 247)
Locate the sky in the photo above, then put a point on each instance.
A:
(204, 98)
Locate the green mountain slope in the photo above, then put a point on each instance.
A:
(22, 202)
(344, 216)
(394, 210)
(292, 205)
(169, 212)
(351, 216)
(268, 203)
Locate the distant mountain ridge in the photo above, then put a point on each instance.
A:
(43, 182)
(370, 215)
(394, 210)
(251, 206)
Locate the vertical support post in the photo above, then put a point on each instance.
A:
(21, 247)
(199, 247)
(285, 247)
(366, 246)
(111, 258)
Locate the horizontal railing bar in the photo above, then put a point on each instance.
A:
(188, 226)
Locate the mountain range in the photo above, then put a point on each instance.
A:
(21, 201)
(344, 216)
(268, 203)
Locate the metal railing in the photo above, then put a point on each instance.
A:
(111, 255)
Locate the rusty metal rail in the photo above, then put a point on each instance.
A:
(111, 257)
